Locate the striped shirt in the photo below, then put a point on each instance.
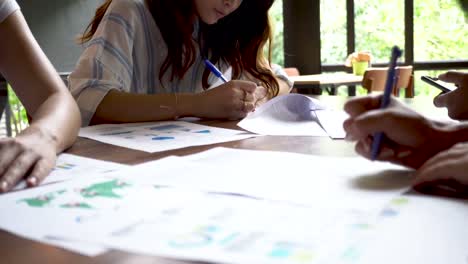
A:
(126, 53)
(7, 7)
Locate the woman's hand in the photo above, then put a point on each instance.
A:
(231, 100)
(30, 156)
(410, 138)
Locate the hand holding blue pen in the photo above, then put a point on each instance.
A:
(378, 137)
(215, 70)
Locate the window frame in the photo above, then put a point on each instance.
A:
(301, 45)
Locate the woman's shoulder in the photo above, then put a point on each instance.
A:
(6, 8)
(127, 6)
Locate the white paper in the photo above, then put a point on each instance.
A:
(70, 167)
(229, 229)
(130, 210)
(58, 208)
(336, 182)
(332, 122)
(288, 115)
(161, 136)
(428, 230)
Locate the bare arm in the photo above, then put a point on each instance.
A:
(231, 100)
(55, 116)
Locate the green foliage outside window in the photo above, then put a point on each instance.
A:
(440, 32)
(19, 119)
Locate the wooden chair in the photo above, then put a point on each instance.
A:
(374, 80)
(291, 71)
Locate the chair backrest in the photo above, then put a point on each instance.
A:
(291, 71)
(374, 80)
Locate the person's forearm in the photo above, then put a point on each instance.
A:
(57, 119)
(122, 107)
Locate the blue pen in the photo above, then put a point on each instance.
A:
(396, 53)
(215, 70)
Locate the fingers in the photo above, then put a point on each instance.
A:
(247, 86)
(40, 171)
(367, 124)
(359, 105)
(441, 99)
(454, 77)
(249, 98)
(16, 171)
(363, 148)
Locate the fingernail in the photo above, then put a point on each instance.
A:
(4, 186)
(366, 147)
(387, 153)
(32, 181)
(349, 137)
(404, 154)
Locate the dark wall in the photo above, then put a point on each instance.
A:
(56, 24)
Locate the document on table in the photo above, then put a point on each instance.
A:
(34, 213)
(337, 182)
(422, 229)
(161, 136)
(68, 167)
(133, 211)
(232, 229)
(294, 115)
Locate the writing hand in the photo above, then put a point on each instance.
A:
(231, 100)
(411, 139)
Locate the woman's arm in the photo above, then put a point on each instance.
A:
(231, 100)
(55, 116)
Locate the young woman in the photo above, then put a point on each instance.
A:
(144, 60)
(55, 116)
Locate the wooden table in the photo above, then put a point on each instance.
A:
(14, 249)
(330, 82)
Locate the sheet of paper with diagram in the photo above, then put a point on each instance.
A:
(295, 115)
(139, 216)
(113, 212)
(161, 136)
(70, 167)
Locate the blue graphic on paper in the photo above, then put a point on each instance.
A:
(203, 132)
(165, 127)
(163, 138)
(116, 133)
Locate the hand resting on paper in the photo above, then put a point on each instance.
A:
(28, 156)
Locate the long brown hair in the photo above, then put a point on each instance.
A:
(237, 39)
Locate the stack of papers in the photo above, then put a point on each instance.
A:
(295, 115)
(243, 206)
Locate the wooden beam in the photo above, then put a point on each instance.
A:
(302, 35)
